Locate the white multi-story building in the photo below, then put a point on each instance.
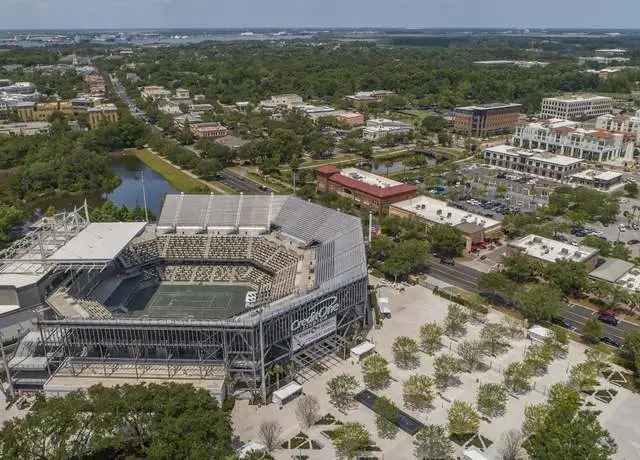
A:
(566, 137)
(286, 101)
(155, 92)
(576, 107)
(620, 123)
(377, 128)
(535, 162)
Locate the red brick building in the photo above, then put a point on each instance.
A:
(367, 189)
(351, 118)
(201, 130)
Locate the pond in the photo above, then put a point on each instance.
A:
(129, 193)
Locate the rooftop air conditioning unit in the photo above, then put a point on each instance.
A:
(439, 212)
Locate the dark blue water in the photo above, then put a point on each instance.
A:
(129, 193)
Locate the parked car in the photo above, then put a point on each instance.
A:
(608, 318)
(633, 241)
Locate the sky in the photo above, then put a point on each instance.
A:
(87, 14)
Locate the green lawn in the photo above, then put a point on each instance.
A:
(177, 178)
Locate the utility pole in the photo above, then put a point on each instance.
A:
(144, 198)
(370, 225)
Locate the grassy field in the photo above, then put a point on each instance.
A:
(180, 180)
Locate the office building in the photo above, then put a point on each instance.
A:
(104, 113)
(487, 119)
(368, 189)
(569, 138)
(281, 101)
(377, 128)
(476, 229)
(41, 111)
(576, 107)
(548, 250)
(535, 162)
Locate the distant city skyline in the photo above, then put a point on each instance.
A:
(114, 14)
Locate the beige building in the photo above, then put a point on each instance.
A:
(105, 113)
(476, 229)
(576, 107)
(41, 111)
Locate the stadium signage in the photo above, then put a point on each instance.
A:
(322, 310)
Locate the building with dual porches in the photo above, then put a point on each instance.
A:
(569, 138)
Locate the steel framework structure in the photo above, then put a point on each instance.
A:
(248, 348)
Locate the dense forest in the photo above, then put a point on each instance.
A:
(444, 77)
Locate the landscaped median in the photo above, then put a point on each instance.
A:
(178, 178)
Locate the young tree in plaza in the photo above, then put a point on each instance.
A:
(405, 352)
(387, 415)
(492, 399)
(463, 419)
(350, 439)
(470, 352)
(432, 443)
(341, 390)
(517, 377)
(430, 337)
(455, 321)
(584, 376)
(270, 432)
(492, 336)
(375, 370)
(446, 367)
(307, 410)
(417, 392)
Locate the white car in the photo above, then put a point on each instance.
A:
(622, 228)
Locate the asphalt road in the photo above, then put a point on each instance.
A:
(576, 315)
(241, 184)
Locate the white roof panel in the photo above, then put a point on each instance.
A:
(101, 241)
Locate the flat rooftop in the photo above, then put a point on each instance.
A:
(495, 105)
(536, 154)
(612, 270)
(440, 212)
(592, 174)
(369, 178)
(576, 97)
(100, 241)
(550, 250)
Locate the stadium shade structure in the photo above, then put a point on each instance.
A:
(313, 300)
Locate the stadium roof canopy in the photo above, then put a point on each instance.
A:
(97, 243)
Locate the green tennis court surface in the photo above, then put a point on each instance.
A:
(210, 301)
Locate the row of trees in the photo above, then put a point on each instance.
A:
(151, 421)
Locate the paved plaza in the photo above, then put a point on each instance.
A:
(410, 309)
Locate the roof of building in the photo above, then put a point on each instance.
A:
(495, 105)
(551, 250)
(540, 155)
(438, 211)
(366, 182)
(576, 97)
(592, 174)
(611, 270)
(100, 241)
